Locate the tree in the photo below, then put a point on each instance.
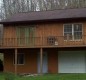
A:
(11, 7)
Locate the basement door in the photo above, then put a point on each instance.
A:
(45, 63)
(71, 62)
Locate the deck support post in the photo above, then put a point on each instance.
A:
(41, 61)
(15, 61)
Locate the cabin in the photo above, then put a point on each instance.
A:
(45, 42)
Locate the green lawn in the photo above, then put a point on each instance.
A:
(3, 76)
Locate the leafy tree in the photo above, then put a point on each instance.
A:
(11, 7)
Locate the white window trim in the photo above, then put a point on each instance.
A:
(73, 31)
(18, 63)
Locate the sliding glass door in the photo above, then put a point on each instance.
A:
(25, 35)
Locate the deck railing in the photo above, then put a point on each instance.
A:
(51, 41)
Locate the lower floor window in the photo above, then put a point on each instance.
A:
(20, 58)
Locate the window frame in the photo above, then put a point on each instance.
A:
(17, 57)
(73, 31)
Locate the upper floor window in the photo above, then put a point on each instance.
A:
(73, 31)
(25, 34)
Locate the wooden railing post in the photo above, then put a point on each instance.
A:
(41, 61)
(68, 37)
(15, 61)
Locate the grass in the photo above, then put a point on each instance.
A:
(9, 76)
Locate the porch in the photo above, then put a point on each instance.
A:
(46, 60)
(33, 60)
(37, 42)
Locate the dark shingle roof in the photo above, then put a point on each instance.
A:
(47, 15)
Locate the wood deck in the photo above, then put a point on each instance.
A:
(37, 42)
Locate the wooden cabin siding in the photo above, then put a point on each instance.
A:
(9, 34)
(29, 66)
(30, 60)
(44, 30)
(84, 32)
(41, 32)
(53, 61)
(8, 62)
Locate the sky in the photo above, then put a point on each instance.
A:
(0, 2)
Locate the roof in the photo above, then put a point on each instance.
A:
(47, 15)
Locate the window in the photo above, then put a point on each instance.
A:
(51, 40)
(20, 58)
(72, 31)
(25, 34)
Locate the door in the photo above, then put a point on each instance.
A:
(45, 63)
(71, 62)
